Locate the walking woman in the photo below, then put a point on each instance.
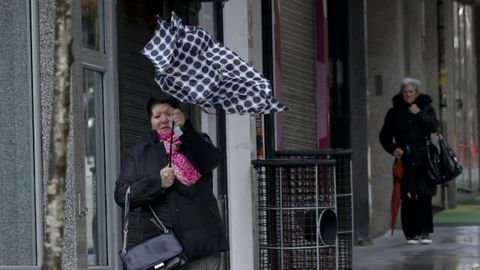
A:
(403, 135)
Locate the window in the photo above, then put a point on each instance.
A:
(92, 25)
(94, 167)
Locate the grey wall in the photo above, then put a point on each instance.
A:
(413, 26)
(386, 65)
(18, 233)
(17, 222)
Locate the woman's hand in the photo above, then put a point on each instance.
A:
(413, 108)
(398, 153)
(167, 177)
(178, 117)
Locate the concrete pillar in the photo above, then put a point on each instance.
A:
(386, 66)
(239, 150)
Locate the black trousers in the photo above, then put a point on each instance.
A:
(417, 215)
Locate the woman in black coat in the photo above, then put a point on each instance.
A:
(181, 195)
(403, 135)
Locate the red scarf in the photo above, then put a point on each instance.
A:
(184, 171)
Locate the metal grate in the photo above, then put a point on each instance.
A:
(344, 197)
(301, 259)
(297, 223)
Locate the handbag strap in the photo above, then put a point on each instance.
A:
(125, 220)
(156, 220)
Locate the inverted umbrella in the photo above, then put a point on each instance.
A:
(193, 67)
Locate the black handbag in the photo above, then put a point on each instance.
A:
(163, 251)
(443, 164)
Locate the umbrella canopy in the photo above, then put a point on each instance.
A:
(193, 67)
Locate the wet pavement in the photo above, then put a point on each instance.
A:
(453, 248)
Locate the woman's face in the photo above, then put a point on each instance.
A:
(409, 93)
(161, 115)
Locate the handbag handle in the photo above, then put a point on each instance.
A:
(155, 220)
(429, 140)
(125, 220)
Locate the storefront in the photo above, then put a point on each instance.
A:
(110, 83)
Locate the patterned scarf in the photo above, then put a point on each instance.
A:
(184, 171)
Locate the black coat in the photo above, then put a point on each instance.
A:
(409, 131)
(190, 211)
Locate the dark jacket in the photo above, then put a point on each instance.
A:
(409, 131)
(190, 211)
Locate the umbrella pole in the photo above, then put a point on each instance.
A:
(171, 143)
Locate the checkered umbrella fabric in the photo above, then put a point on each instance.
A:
(193, 67)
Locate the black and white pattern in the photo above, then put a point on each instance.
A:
(193, 67)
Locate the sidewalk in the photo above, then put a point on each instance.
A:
(453, 248)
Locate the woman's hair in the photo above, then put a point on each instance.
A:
(410, 81)
(161, 99)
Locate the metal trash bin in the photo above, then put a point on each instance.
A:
(344, 196)
(296, 214)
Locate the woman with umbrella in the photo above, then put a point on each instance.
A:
(403, 135)
(171, 172)
(190, 66)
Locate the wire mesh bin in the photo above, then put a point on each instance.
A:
(297, 220)
(344, 198)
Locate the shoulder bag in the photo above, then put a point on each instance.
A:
(163, 251)
(443, 164)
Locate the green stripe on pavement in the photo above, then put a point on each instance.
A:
(465, 214)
